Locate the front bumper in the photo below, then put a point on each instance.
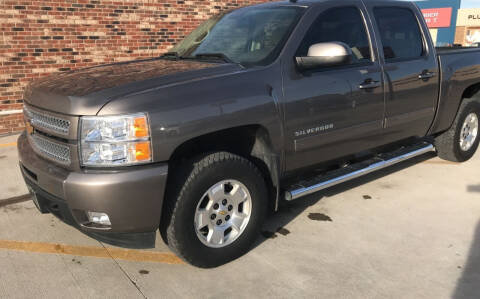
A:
(132, 198)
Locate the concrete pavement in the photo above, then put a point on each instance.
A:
(410, 231)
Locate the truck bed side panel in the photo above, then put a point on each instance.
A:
(460, 70)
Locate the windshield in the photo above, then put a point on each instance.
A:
(249, 36)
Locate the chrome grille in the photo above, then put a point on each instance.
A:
(48, 122)
(54, 151)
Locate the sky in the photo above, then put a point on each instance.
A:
(470, 3)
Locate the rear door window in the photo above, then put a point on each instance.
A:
(400, 33)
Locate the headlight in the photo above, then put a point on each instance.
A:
(115, 140)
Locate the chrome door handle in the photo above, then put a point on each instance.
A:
(426, 75)
(369, 84)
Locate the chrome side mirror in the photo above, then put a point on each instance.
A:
(325, 55)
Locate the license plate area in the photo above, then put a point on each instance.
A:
(34, 198)
(37, 201)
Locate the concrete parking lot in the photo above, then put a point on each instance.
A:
(411, 231)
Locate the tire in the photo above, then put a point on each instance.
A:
(187, 195)
(448, 143)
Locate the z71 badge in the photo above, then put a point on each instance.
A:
(315, 130)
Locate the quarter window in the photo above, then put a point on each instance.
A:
(399, 32)
(342, 24)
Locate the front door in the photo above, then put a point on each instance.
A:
(334, 111)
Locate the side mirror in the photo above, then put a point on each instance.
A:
(325, 55)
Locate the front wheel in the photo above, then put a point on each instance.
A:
(460, 142)
(216, 211)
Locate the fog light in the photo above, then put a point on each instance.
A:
(99, 218)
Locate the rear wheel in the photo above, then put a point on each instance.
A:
(460, 142)
(216, 210)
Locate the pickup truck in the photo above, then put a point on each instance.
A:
(257, 106)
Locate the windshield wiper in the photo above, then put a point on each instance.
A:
(217, 56)
(206, 56)
(171, 55)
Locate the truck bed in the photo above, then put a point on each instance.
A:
(453, 50)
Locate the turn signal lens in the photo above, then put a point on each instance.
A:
(142, 151)
(140, 127)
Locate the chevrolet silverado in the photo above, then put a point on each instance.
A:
(258, 105)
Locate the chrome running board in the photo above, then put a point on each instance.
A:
(356, 170)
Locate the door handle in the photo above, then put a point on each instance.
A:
(369, 84)
(426, 75)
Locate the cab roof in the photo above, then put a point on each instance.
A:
(310, 3)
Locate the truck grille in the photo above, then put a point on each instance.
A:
(48, 122)
(51, 150)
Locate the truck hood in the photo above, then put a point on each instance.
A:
(86, 91)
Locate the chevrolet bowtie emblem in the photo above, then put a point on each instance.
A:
(223, 213)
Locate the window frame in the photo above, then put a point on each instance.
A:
(425, 51)
(368, 31)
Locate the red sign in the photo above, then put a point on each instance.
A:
(438, 17)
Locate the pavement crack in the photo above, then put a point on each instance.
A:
(14, 200)
(74, 278)
(124, 272)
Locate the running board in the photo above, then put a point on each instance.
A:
(353, 171)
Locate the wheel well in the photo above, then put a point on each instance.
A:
(471, 91)
(468, 93)
(252, 142)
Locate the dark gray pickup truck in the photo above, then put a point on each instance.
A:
(258, 105)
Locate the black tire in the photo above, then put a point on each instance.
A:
(448, 143)
(187, 187)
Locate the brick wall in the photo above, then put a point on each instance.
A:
(41, 37)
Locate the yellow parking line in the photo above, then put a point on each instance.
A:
(89, 251)
(8, 144)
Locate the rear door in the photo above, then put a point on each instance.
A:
(410, 69)
(333, 111)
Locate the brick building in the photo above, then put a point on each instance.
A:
(41, 37)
